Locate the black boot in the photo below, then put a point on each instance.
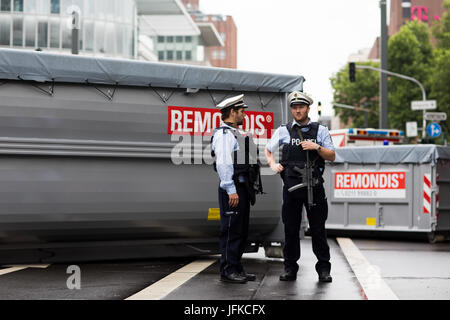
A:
(324, 276)
(233, 278)
(288, 276)
(248, 276)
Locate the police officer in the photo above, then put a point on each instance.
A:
(231, 152)
(296, 139)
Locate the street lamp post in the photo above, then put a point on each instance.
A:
(424, 95)
(75, 32)
(383, 121)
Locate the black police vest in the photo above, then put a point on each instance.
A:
(245, 163)
(242, 158)
(294, 155)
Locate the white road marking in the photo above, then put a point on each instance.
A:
(166, 285)
(14, 268)
(375, 288)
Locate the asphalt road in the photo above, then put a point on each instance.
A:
(410, 269)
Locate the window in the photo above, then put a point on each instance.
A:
(55, 6)
(100, 37)
(5, 30)
(18, 31)
(30, 31)
(170, 39)
(110, 38)
(188, 55)
(110, 9)
(179, 55)
(223, 36)
(214, 55)
(43, 7)
(42, 34)
(222, 55)
(188, 38)
(169, 55)
(30, 6)
(66, 35)
(160, 39)
(100, 9)
(120, 10)
(128, 41)
(89, 36)
(160, 55)
(179, 39)
(18, 5)
(120, 33)
(5, 5)
(54, 33)
(89, 8)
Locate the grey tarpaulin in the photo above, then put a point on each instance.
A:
(393, 154)
(43, 66)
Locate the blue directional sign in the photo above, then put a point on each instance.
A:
(434, 130)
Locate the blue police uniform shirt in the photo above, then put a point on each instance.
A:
(281, 136)
(223, 145)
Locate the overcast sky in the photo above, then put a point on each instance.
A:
(313, 38)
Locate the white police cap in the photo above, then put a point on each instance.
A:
(235, 102)
(297, 97)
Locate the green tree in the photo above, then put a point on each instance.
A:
(363, 91)
(441, 29)
(409, 53)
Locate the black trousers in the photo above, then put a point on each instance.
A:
(233, 230)
(317, 215)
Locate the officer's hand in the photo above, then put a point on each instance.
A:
(276, 167)
(309, 145)
(233, 200)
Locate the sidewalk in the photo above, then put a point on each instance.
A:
(207, 286)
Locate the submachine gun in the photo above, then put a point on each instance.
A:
(254, 183)
(306, 174)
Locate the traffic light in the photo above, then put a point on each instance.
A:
(351, 72)
(319, 108)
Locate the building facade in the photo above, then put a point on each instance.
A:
(426, 11)
(107, 27)
(178, 48)
(401, 11)
(151, 30)
(219, 56)
(224, 56)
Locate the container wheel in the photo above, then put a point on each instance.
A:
(435, 238)
(272, 251)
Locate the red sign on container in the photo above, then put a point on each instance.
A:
(202, 121)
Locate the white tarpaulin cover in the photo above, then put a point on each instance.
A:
(42, 66)
(420, 153)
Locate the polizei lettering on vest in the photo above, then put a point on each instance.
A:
(296, 142)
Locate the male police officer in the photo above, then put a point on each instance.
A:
(231, 151)
(297, 139)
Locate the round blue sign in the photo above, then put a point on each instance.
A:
(433, 130)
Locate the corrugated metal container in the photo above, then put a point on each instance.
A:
(89, 156)
(390, 188)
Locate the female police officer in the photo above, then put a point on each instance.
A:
(302, 141)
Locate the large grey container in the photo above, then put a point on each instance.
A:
(87, 162)
(400, 189)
